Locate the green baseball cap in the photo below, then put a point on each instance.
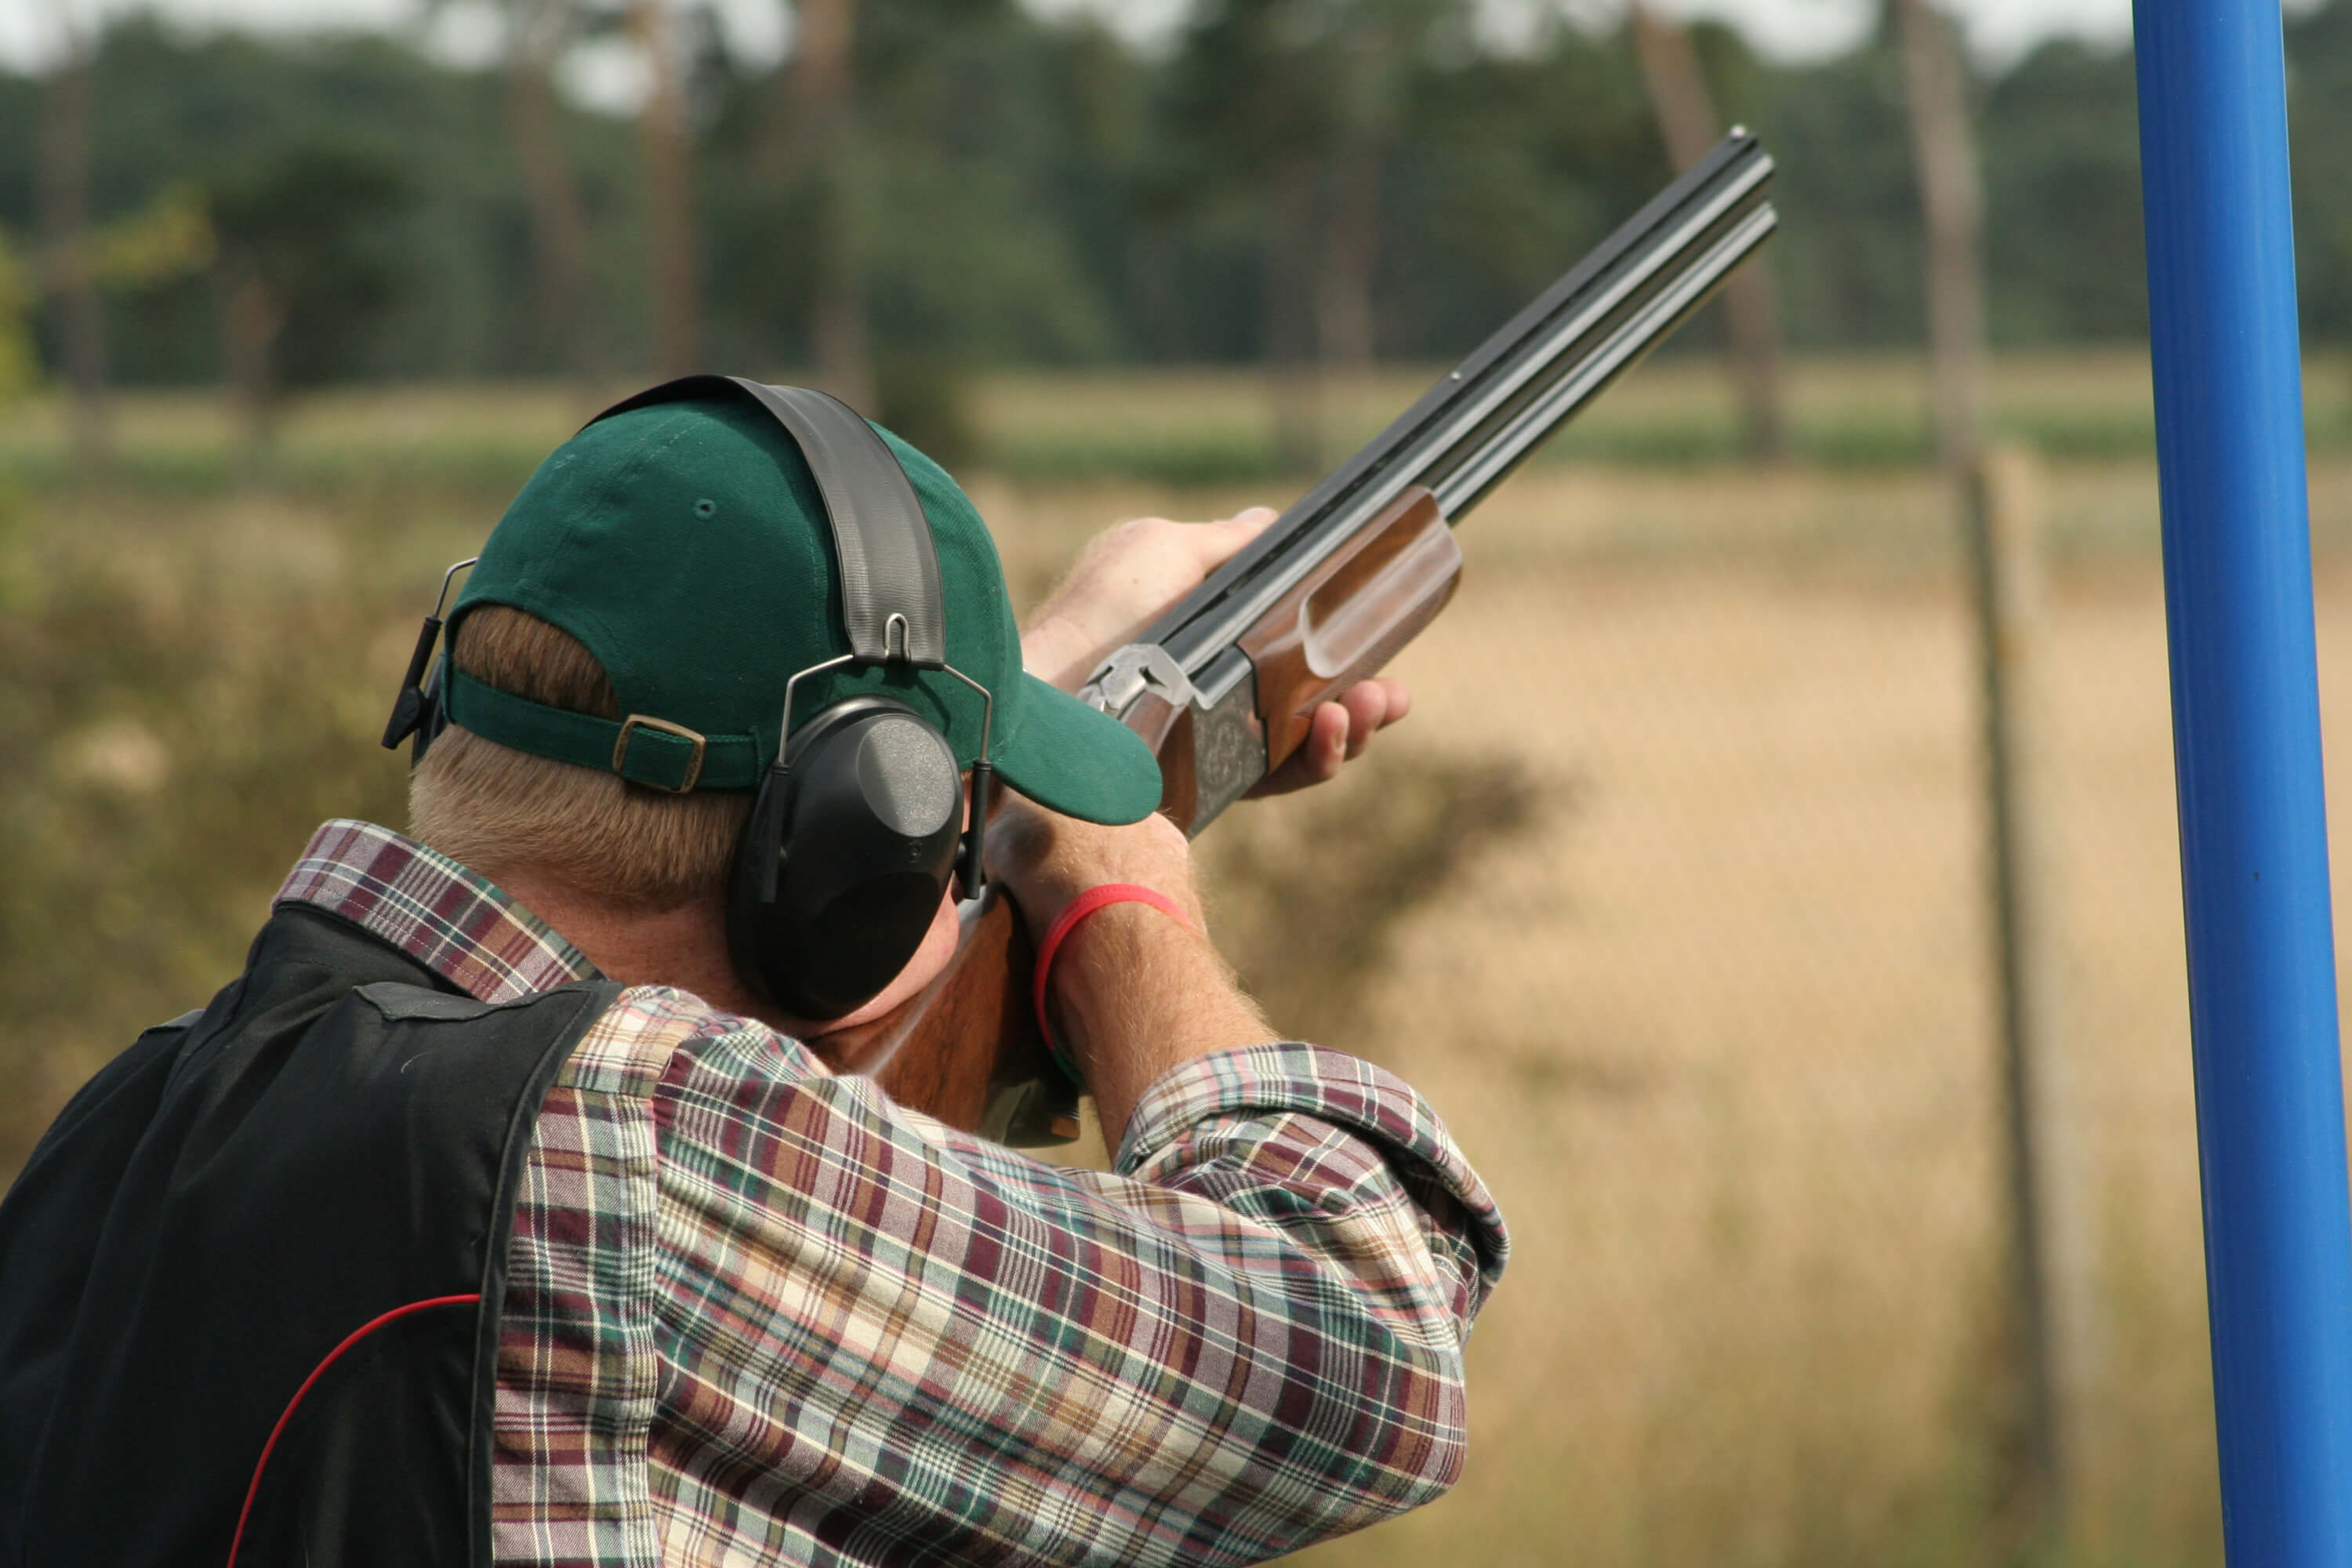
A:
(686, 544)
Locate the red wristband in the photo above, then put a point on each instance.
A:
(1078, 909)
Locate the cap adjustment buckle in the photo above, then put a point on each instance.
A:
(636, 721)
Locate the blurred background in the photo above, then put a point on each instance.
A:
(1775, 884)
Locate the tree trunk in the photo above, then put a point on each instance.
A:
(251, 318)
(72, 281)
(1350, 252)
(1294, 385)
(844, 354)
(1687, 121)
(1952, 204)
(1677, 87)
(1348, 256)
(812, 89)
(559, 231)
(822, 142)
(669, 157)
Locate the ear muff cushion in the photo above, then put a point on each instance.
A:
(859, 822)
(898, 775)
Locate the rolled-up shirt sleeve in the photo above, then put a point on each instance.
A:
(909, 1345)
(1256, 1128)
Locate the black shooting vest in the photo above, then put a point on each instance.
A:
(306, 1190)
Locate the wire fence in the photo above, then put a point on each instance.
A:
(1707, 989)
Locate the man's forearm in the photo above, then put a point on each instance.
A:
(1134, 995)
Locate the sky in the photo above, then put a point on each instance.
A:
(31, 31)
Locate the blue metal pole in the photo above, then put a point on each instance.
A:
(2253, 831)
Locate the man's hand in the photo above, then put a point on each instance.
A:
(1134, 992)
(1128, 576)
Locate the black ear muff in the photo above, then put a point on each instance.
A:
(433, 714)
(971, 868)
(849, 848)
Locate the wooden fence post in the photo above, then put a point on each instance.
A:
(2048, 1268)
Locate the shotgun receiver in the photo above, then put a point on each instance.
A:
(1223, 685)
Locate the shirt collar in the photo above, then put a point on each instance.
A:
(434, 910)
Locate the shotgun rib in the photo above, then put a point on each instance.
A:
(1217, 684)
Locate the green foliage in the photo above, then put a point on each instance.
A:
(972, 251)
(2062, 164)
(2320, 78)
(1033, 190)
(1524, 164)
(184, 111)
(18, 369)
(308, 227)
(170, 238)
(1849, 262)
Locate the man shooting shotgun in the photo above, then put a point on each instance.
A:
(1231, 686)
(506, 1208)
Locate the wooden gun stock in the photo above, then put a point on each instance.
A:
(965, 1048)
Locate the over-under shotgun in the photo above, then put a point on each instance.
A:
(1223, 685)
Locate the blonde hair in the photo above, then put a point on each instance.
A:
(496, 808)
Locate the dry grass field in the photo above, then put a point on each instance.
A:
(1669, 895)
(1712, 1011)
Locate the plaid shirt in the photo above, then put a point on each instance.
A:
(757, 1312)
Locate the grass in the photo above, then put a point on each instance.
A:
(1669, 895)
(1181, 428)
(1854, 413)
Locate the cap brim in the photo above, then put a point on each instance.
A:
(1080, 761)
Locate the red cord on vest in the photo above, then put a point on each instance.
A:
(355, 1337)
(1084, 904)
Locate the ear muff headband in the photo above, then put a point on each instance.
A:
(889, 567)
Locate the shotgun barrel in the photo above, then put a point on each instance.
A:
(1191, 684)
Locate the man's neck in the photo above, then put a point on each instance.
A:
(686, 947)
(683, 947)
